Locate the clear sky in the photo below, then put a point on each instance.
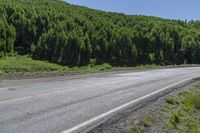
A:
(172, 9)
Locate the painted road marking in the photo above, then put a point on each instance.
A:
(59, 92)
(88, 122)
(4, 88)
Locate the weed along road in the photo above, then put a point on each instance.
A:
(82, 102)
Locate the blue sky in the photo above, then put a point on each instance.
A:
(172, 9)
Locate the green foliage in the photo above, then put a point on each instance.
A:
(180, 114)
(58, 32)
(146, 121)
(193, 100)
(26, 64)
(174, 118)
(134, 130)
(14, 64)
(170, 100)
(184, 117)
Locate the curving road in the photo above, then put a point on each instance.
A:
(71, 104)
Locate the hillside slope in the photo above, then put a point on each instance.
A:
(61, 33)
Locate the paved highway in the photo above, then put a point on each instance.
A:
(70, 104)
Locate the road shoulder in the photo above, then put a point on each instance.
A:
(130, 118)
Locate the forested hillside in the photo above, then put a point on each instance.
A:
(70, 35)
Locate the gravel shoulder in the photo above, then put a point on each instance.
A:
(36, 75)
(135, 117)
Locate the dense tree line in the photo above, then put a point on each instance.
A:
(56, 31)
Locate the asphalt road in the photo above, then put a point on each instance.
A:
(67, 104)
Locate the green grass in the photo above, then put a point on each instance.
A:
(170, 100)
(16, 64)
(24, 64)
(179, 114)
(21, 65)
(184, 114)
(134, 130)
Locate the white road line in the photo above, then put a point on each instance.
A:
(16, 99)
(61, 91)
(4, 88)
(88, 122)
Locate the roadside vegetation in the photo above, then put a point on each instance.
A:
(25, 64)
(17, 64)
(23, 67)
(179, 114)
(55, 31)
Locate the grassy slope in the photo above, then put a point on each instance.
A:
(26, 64)
(180, 114)
(25, 67)
(22, 67)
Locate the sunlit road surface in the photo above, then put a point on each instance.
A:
(71, 104)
